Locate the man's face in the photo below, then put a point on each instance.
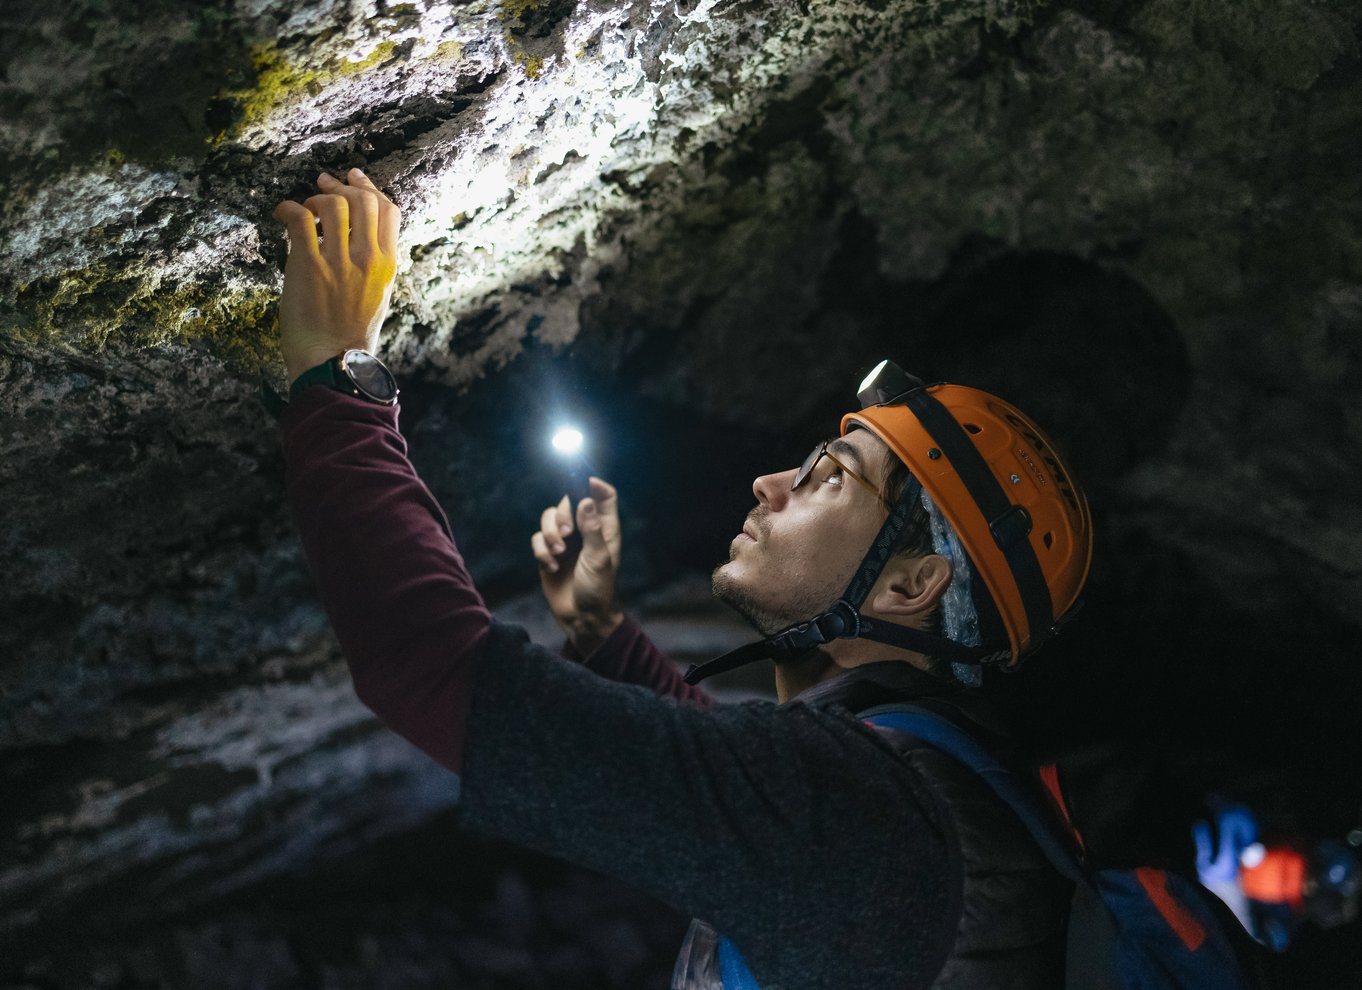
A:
(799, 549)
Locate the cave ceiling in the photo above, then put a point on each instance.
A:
(693, 224)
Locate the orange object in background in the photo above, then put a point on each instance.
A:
(1277, 878)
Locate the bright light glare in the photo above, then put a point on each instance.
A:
(567, 440)
(865, 383)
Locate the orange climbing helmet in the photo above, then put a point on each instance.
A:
(1001, 484)
(1013, 505)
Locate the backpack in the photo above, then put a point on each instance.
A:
(1129, 929)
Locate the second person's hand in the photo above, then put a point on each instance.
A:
(579, 586)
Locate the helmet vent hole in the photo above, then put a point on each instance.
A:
(1049, 540)
(972, 428)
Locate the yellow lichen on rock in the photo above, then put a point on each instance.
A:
(448, 51)
(280, 78)
(236, 323)
(512, 14)
(534, 65)
(516, 9)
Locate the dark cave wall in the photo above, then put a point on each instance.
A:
(697, 224)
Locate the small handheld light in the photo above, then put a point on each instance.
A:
(567, 440)
(570, 444)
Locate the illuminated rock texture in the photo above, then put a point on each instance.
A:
(695, 225)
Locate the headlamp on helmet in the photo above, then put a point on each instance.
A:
(887, 382)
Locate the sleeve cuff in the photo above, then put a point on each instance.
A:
(320, 398)
(623, 633)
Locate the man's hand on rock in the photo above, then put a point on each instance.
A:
(580, 585)
(336, 287)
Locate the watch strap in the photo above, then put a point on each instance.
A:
(326, 373)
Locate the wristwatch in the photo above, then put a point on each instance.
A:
(355, 372)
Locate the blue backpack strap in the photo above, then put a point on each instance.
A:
(1136, 929)
(941, 733)
(733, 968)
(1092, 953)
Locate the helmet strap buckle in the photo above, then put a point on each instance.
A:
(842, 621)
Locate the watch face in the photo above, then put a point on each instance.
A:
(370, 376)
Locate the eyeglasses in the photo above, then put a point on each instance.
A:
(816, 455)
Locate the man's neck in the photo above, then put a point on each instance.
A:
(794, 678)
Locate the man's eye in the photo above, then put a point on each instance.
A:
(834, 478)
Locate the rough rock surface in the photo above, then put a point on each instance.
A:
(694, 224)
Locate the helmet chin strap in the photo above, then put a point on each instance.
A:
(844, 619)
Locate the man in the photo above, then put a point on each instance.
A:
(818, 851)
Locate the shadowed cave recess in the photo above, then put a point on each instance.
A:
(693, 226)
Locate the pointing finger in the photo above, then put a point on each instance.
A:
(606, 499)
(595, 550)
(603, 494)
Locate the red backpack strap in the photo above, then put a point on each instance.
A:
(1049, 776)
(1170, 908)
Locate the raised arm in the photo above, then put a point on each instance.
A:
(406, 613)
(409, 621)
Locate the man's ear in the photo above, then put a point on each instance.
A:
(911, 585)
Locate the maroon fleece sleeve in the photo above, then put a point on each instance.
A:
(630, 657)
(409, 621)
